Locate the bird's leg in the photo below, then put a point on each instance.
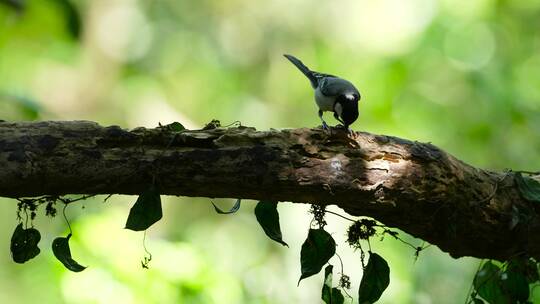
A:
(324, 125)
(352, 134)
(338, 119)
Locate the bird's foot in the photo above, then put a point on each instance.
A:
(325, 126)
(352, 133)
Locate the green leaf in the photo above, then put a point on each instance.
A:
(317, 249)
(268, 217)
(375, 279)
(175, 126)
(487, 284)
(327, 286)
(514, 282)
(330, 295)
(146, 210)
(532, 271)
(234, 208)
(60, 247)
(529, 188)
(24, 244)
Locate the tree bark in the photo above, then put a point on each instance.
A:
(413, 186)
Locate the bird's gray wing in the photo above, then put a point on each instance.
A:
(333, 86)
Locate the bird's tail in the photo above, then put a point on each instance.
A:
(304, 69)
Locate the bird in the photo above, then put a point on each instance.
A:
(332, 94)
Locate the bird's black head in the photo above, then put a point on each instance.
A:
(349, 108)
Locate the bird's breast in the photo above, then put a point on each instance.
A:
(325, 103)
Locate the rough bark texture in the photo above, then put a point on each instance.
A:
(413, 186)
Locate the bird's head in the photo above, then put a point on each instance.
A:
(349, 108)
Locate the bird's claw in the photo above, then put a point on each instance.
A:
(325, 126)
(352, 133)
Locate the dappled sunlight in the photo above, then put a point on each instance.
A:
(388, 27)
(475, 54)
(121, 29)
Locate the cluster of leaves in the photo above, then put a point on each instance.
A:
(316, 252)
(360, 230)
(506, 283)
(319, 247)
(24, 241)
(509, 282)
(29, 206)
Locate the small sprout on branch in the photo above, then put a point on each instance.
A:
(214, 124)
(175, 127)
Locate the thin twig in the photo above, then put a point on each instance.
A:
(334, 213)
(108, 197)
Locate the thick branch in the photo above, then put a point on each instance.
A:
(409, 185)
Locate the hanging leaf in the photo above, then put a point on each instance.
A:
(330, 295)
(24, 244)
(514, 282)
(487, 284)
(317, 249)
(234, 208)
(375, 279)
(529, 188)
(60, 247)
(268, 217)
(327, 286)
(146, 210)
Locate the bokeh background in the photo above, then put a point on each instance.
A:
(464, 75)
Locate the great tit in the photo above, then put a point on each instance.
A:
(332, 94)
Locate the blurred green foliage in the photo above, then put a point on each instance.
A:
(464, 75)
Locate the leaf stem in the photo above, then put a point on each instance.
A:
(65, 217)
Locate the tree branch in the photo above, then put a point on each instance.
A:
(413, 186)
